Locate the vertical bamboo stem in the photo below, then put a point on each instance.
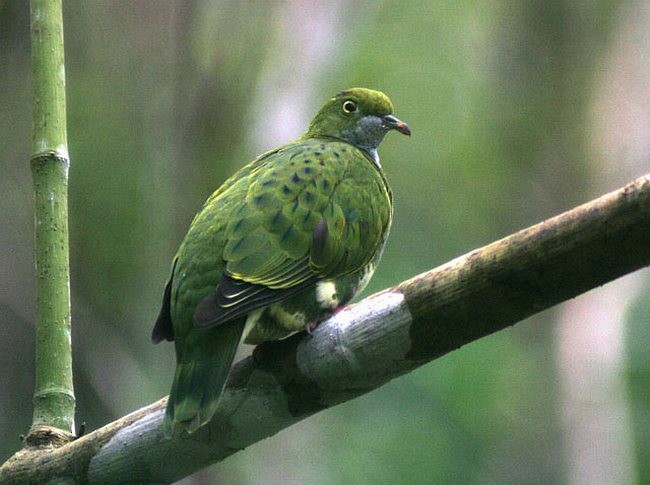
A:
(53, 396)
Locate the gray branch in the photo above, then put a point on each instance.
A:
(367, 344)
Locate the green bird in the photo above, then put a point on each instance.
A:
(280, 246)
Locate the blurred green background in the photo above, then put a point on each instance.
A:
(520, 109)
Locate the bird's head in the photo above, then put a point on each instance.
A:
(359, 116)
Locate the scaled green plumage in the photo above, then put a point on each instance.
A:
(280, 245)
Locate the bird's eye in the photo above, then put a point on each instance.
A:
(349, 106)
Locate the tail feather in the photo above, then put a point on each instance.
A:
(201, 374)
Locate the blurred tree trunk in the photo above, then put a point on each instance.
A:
(592, 352)
(562, 46)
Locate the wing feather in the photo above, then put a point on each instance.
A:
(309, 214)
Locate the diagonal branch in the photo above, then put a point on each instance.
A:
(370, 343)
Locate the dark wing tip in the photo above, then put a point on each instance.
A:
(208, 312)
(232, 299)
(163, 328)
(235, 298)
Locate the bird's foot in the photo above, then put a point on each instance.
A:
(311, 326)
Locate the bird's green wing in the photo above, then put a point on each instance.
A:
(315, 209)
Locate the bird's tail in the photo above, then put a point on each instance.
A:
(201, 374)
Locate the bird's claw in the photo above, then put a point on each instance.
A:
(310, 327)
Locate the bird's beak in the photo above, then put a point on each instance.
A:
(393, 123)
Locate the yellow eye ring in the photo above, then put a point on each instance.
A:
(349, 106)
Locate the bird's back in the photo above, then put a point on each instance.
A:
(259, 228)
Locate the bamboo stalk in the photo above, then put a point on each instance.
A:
(53, 395)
